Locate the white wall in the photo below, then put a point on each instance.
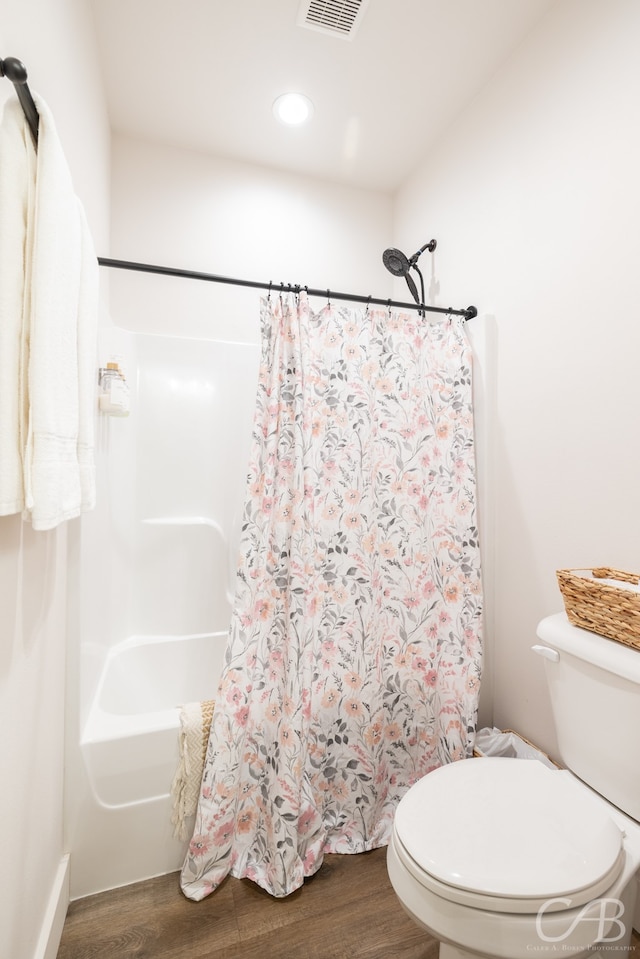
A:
(185, 209)
(54, 40)
(534, 197)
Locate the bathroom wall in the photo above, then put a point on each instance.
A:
(54, 39)
(534, 197)
(180, 208)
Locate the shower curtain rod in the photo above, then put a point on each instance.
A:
(468, 314)
(15, 71)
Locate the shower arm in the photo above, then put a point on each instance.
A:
(430, 246)
(413, 262)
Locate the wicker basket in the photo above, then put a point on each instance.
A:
(610, 608)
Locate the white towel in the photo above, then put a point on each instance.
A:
(59, 330)
(17, 196)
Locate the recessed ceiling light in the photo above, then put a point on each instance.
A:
(293, 108)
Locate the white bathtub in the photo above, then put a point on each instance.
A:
(130, 742)
(119, 803)
(156, 573)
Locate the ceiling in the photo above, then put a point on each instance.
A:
(203, 74)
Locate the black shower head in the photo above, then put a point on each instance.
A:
(398, 264)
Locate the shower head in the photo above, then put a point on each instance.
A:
(399, 264)
(396, 262)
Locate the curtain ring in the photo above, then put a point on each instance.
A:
(329, 298)
(366, 312)
(389, 307)
(269, 293)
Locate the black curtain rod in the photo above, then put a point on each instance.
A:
(468, 314)
(15, 71)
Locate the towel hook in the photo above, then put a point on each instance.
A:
(14, 70)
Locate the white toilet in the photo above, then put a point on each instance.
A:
(509, 858)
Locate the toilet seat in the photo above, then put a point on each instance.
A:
(507, 835)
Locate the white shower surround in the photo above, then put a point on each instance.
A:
(158, 598)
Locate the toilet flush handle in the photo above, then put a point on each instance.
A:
(552, 654)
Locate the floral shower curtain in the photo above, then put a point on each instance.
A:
(354, 657)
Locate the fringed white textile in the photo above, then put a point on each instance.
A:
(47, 395)
(195, 725)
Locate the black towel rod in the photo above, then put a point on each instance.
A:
(15, 71)
(468, 314)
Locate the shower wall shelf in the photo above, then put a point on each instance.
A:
(185, 521)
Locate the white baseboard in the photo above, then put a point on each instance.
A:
(55, 914)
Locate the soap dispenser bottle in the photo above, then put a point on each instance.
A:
(114, 391)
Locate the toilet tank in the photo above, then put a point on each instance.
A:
(594, 685)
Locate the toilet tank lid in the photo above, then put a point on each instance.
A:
(607, 654)
(508, 828)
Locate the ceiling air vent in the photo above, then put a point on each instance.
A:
(340, 18)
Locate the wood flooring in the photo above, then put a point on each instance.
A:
(348, 910)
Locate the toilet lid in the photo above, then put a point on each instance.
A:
(508, 828)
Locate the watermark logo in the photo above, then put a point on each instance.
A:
(604, 916)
